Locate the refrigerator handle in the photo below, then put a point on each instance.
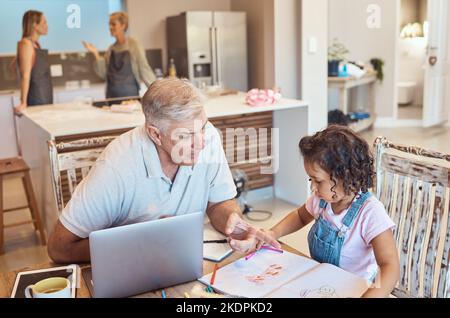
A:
(218, 57)
(213, 54)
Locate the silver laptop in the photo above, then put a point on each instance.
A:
(137, 258)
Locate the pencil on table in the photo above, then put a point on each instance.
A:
(213, 277)
(215, 241)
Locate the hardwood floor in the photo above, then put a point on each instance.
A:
(410, 112)
(22, 245)
(436, 138)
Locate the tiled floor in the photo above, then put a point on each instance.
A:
(22, 246)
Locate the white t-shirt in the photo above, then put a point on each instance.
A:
(127, 185)
(357, 253)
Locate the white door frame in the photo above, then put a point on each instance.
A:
(435, 110)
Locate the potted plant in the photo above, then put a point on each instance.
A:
(378, 64)
(336, 53)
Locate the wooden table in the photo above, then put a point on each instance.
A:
(7, 279)
(345, 83)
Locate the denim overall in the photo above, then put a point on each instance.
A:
(325, 240)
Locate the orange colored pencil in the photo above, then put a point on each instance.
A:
(213, 277)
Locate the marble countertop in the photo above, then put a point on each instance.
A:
(78, 118)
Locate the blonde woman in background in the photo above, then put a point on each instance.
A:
(35, 82)
(124, 65)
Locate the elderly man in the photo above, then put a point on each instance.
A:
(173, 165)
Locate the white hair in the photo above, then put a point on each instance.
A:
(171, 100)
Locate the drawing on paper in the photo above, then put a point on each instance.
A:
(271, 271)
(325, 291)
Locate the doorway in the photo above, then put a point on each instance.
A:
(422, 68)
(412, 45)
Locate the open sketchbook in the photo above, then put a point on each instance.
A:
(215, 252)
(274, 275)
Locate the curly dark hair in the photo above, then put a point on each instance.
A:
(343, 155)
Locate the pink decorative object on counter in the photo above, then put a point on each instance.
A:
(262, 97)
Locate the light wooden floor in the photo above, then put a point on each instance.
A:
(410, 112)
(22, 246)
(437, 138)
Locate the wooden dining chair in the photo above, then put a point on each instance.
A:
(70, 162)
(413, 185)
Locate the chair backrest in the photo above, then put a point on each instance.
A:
(413, 185)
(70, 162)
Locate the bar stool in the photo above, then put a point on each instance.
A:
(8, 167)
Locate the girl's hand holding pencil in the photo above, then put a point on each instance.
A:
(245, 238)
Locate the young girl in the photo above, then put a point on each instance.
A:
(352, 229)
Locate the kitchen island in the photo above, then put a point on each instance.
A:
(73, 121)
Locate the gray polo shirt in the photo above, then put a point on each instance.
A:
(127, 185)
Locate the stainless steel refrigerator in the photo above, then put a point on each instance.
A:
(209, 47)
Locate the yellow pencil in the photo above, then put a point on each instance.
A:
(186, 295)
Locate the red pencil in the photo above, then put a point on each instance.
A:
(213, 277)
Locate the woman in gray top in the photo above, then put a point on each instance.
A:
(124, 65)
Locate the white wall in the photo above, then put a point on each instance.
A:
(314, 69)
(287, 34)
(148, 18)
(277, 55)
(299, 72)
(348, 23)
(260, 36)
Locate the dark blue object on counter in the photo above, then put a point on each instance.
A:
(359, 115)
